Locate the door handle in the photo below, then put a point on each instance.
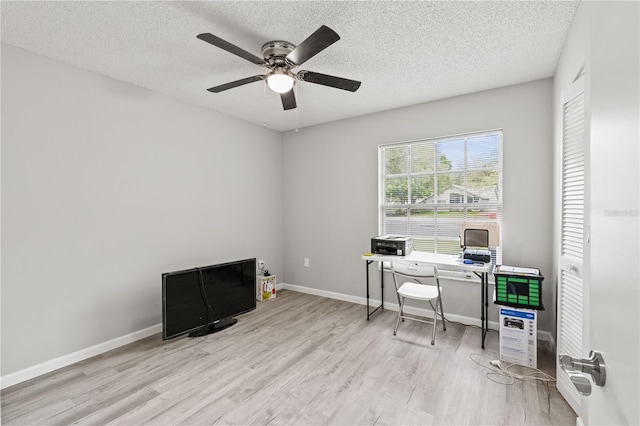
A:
(577, 369)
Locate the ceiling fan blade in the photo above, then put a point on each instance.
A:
(236, 83)
(231, 48)
(329, 80)
(322, 38)
(288, 100)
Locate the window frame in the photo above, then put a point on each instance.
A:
(438, 204)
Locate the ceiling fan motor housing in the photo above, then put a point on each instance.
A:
(275, 53)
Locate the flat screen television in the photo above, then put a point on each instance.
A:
(204, 300)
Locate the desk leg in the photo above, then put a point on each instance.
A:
(485, 307)
(370, 312)
(484, 304)
(382, 286)
(367, 268)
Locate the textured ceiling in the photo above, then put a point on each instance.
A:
(404, 53)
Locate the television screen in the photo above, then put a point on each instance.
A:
(204, 300)
(183, 309)
(231, 288)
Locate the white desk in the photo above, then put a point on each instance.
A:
(440, 261)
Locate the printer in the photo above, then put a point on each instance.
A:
(477, 255)
(392, 245)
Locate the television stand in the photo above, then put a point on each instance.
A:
(214, 328)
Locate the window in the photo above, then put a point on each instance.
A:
(428, 188)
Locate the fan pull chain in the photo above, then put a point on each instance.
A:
(264, 105)
(297, 93)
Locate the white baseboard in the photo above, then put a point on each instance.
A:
(493, 325)
(327, 294)
(546, 337)
(65, 360)
(387, 305)
(551, 340)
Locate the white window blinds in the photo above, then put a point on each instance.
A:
(428, 188)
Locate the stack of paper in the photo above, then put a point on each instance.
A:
(503, 269)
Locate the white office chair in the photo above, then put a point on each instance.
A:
(416, 288)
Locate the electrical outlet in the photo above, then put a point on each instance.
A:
(306, 262)
(261, 264)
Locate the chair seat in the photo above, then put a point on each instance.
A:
(418, 291)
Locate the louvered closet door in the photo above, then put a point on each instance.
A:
(571, 310)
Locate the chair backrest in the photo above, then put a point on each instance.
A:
(417, 272)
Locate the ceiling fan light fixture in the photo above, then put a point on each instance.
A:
(280, 81)
(280, 57)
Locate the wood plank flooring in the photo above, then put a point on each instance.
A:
(295, 360)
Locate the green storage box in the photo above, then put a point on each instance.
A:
(518, 287)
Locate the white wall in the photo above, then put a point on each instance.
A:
(331, 183)
(104, 187)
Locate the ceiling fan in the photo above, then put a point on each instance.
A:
(280, 57)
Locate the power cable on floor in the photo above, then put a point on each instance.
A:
(503, 371)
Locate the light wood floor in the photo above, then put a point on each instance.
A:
(297, 360)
